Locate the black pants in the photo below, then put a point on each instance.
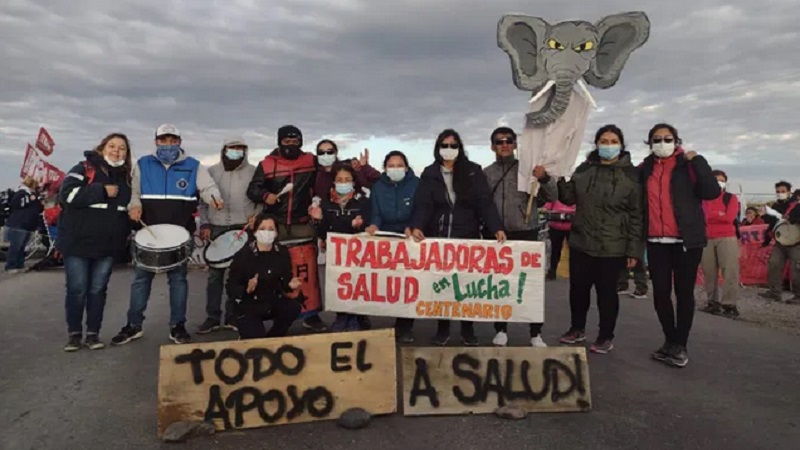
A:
(670, 262)
(531, 236)
(557, 238)
(250, 318)
(586, 271)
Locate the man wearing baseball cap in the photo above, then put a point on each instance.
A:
(288, 164)
(232, 176)
(165, 186)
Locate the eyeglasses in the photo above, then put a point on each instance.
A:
(454, 146)
(326, 152)
(503, 141)
(667, 140)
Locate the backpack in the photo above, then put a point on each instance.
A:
(726, 199)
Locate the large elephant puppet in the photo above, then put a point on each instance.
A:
(544, 55)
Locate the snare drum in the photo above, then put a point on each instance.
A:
(161, 248)
(787, 234)
(219, 253)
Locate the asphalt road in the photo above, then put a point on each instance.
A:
(740, 390)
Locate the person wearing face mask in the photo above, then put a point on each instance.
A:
(722, 252)
(785, 208)
(751, 217)
(288, 164)
(260, 277)
(675, 182)
(511, 203)
(453, 200)
(165, 187)
(232, 176)
(606, 235)
(328, 157)
(93, 228)
(391, 204)
(344, 210)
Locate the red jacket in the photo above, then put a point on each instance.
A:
(719, 218)
(661, 214)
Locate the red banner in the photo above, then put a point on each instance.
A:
(45, 142)
(33, 165)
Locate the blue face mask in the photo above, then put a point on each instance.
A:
(168, 154)
(608, 152)
(344, 188)
(234, 154)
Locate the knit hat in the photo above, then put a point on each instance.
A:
(289, 131)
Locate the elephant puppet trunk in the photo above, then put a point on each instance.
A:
(556, 105)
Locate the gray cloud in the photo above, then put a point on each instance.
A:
(724, 73)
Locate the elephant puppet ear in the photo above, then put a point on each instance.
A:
(522, 38)
(619, 35)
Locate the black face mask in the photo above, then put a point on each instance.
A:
(290, 151)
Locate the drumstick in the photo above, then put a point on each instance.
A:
(238, 235)
(534, 191)
(148, 229)
(216, 202)
(287, 188)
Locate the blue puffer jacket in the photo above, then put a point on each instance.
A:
(392, 203)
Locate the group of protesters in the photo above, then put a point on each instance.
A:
(671, 207)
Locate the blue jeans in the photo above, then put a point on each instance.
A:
(87, 281)
(140, 294)
(17, 240)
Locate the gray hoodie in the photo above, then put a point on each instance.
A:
(510, 201)
(233, 187)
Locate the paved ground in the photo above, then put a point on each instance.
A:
(740, 390)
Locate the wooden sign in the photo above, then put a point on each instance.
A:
(45, 142)
(480, 380)
(262, 382)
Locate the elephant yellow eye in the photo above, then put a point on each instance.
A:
(586, 46)
(554, 44)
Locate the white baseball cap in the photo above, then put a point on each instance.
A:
(232, 141)
(167, 129)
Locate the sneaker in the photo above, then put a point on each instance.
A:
(500, 339)
(315, 324)
(731, 312)
(639, 294)
(179, 335)
(440, 340)
(469, 339)
(771, 295)
(622, 289)
(73, 342)
(353, 324)
(126, 334)
(15, 271)
(573, 337)
(794, 300)
(208, 326)
(229, 325)
(339, 325)
(404, 337)
(93, 342)
(537, 341)
(712, 308)
(662, 353)
(677, 357)
(364, 323)
(602, 347)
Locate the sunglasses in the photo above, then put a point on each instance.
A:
(326, 152)
(668, 140)
(503, 141)
(454, 146)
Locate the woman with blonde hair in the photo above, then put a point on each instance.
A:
(93, 229)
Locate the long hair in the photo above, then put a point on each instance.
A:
(102, 145)
(461, 181)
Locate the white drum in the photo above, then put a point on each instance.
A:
(161, 248)
(787, 234)
(219, 252)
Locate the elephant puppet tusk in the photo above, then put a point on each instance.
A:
(547, 86)
(586, 93)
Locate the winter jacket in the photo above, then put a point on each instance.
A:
(338, 218)
(436, 216)
(232, 185)
(511, 202)
(366, 176)
(26, 213)
(559, 215)
(273, 174)
(393, 203)
(720, 218)
(782, 206)
(92, 224)
(274, 269)
(169, 193)
(609, 212)
(679, 193)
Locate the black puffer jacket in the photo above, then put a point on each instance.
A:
(92, 225)
(437, 217)
(337, 218)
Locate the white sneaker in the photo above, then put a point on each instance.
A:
(500, 339)
(537, 341)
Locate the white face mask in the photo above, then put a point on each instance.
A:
(396, 173)
(782, 196)
(722, 184)
(664, 149)
(448, 154)
(266, 237)
(119, 163)
(326, 160)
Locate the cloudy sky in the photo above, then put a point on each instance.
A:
(384, 75)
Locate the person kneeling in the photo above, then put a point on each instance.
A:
(260, 277)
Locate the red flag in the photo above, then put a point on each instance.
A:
(45, 142)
